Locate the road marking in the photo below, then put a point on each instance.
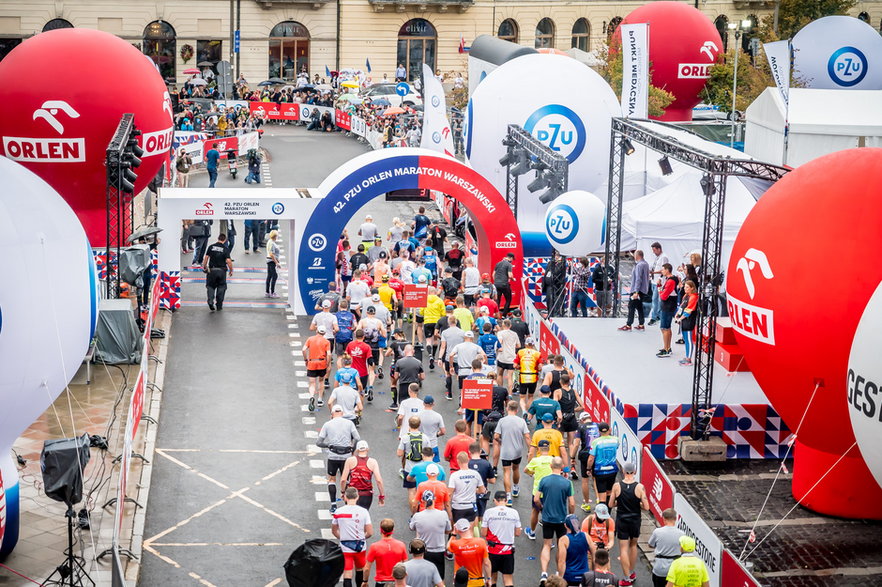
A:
(298, 373)
(327, 534)
(324, 515)
(310, 433)
(273, 583)
(322, 496)
(218, 544)
(316, 463)
(318, 480)
(303, 385)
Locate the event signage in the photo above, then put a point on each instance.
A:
(735, 575)
(596, 402)
(778, 54)
(222, 144)
(635, 70)
(659, 490)
(548, 343)
(368, 176)
(477, 394)
(343, 120)
(436, 133)
(415, 295)
(707, 546)
(59, 126)
(576, 124)
(838, 53)
(630, 449)
(575, 223)
(275, 111)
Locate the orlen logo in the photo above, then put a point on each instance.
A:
(510, 242)
(42, 150)
(560, 128)
(157, 143)
(562, 224)
(207, 209)
(847, 66)
(699, 70)
(752, 321)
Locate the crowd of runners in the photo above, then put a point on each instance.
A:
(461, 482)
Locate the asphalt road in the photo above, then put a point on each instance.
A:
(237, 483)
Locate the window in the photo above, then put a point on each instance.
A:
(288, 50)
(864, 16)
(749, 34)
(417, 41)
(57, 23)
(545, 34)
(7, 45)
(612, 26)
(208, 52)
(581, 34)
(508, 30)
(160, 46)
(722, 24)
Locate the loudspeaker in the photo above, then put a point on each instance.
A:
(62, 462)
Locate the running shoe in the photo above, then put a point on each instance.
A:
(393, 406)
(640, 327)
(508, 501)
(380, 372)
(431, 363)
(633, 576)
(624, 328)
(679, 341)
(448, 555)
(530, 533)
(663, 354)
(574, 476)
(543, 578)
(370, 394)
(320, 402)
(266, 295)
(333, 507)
(515, 491)
(274, 295)
(652, 322)
(449, 395)
(312, 404)
(586, 507)
(685, 362)
(626, 583)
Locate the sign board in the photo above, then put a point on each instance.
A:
(415, 296)
(630, 449)
(707, 546)
(548, 343)
(659, 491)
(237, 37)
(477, 394)
(596, 403)
(734, 575)
(402, 89)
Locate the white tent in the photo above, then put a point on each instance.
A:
(674, 216)
(821, 122)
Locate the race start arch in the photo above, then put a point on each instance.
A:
(373, 174)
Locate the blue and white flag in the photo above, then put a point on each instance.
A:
(436, 128)
(778, 54)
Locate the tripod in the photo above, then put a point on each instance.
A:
(72, 571)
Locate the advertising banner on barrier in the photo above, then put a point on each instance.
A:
(630, 449)
(222, 144)
(659, 490)
(359, 126)
(273, 111)
(735, 575)
(307, 110)
(596, 402)
(635, 70)
(707, 546)
(548, 343)
(343, 119)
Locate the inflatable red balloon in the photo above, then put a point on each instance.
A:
(801, 273)
(63, 93)
(683, 44)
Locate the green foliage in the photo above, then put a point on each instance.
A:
(611, 70)
(459, 98)
(795, 14)
(752, 80)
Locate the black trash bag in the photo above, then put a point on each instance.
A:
(316, 563)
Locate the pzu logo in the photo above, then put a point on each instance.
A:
(278, 208)
(562, 224)
(560, 128)
(847, 66)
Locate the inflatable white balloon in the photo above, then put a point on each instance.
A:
(48, 311)
(838, 53)
(575, 223)
(864, 385)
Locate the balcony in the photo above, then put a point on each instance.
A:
(441, 6)
(314, 4)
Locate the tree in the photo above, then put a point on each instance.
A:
(611, 71)
(753, 78)
(795, 14)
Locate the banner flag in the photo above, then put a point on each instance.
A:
(635, 70)
(778, 54)
(367, 64)
(436, 127)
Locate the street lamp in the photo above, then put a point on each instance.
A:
(738, 28)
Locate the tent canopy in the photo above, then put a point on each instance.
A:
(674, 216)
(821, 122)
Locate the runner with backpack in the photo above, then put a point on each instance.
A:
(410, 451)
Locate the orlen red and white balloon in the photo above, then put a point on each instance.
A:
(683, 45)
(63, 93)
(800, 276)
(864, 384)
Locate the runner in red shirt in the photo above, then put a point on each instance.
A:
(387, 552)
(441, 496)
(316, 352)
(360, 351)
(398, 286)
(459, 443)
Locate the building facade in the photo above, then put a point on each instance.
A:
(279, 38)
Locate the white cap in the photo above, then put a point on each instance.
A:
(361, 445)
(470, 334)
(422, 279)
(462, 525)
(485, 310)
(326, 304)
(375, 297)
(433, 469)
(320, 329)
(337, 408)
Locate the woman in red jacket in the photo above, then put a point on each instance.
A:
(687, 316)
(667, 293)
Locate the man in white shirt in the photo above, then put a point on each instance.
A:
(501, 526)
(412, 406)
(351, 524)
(328, 320)
(466, 484)
(431, 425)
(357, 292)
(347, 398)
(462, 356)
(471, 282)
(368, 231)
(509, 343)
(655, 279)
(432, 527)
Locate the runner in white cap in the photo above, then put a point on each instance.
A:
(360, 472)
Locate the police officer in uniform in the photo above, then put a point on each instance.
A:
(216, 263)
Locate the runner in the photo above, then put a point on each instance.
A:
(347, 398)
(492, 416)
(337, 435)
(527, 361)
(554, 439)
(600, 528)
(602, 462)
(434, 488)
(412, 406)
(555, 492)
(629, 498)
(601, 575)
(386, 552)
(351, 524)
(360, 472)
(345, 368)
(418, 474)
(432, 525)
(373, 330)
(544, 406)
(316, 354)
(465, 485)
(325, 318)
(570, 404)
(458, 444)
(580, 449)
(538, 467)
(410, 451)
(572, 553)
(508, 348)
(432, 426)
(488, 475)
(360, 353)
(511, 437)
(345, 329)
(471, 553)
(421, 572)
(502, 525)
(433, 312)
